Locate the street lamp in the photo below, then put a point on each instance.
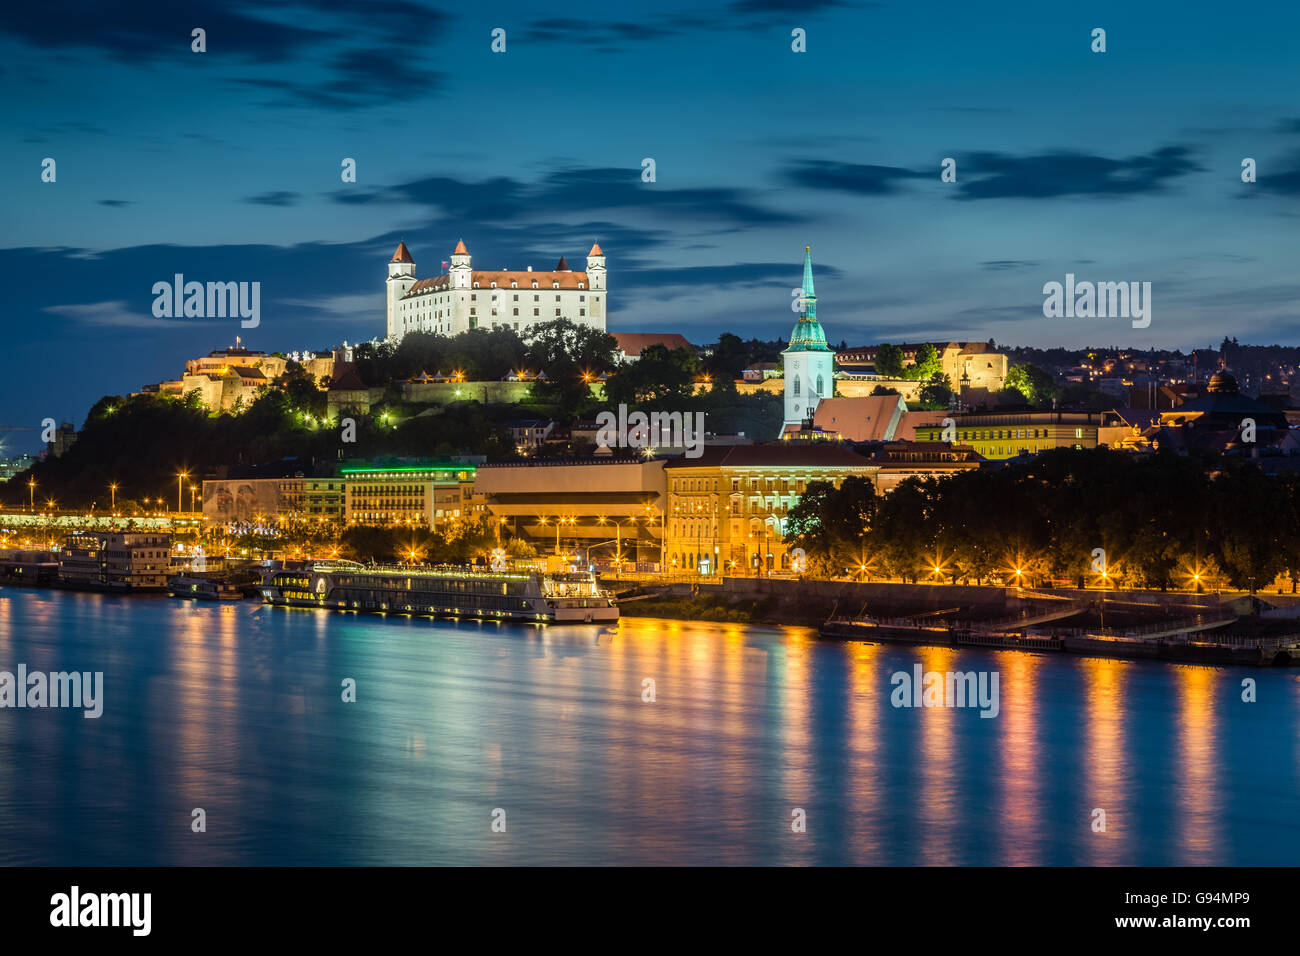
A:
(112, 487)
(180, 477)
(31, 492)
(618, 538)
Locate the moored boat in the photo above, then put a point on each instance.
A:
(203, 588)
(557, 597)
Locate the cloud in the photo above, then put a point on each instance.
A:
(562, 191)
(311, 65)
(988, 175)
(856, 178)
(116, 314)
(275, 198)
(608, 37)
(154, 31)
(1279, 178)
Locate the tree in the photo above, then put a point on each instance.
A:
(927, 364)
(830, 523)
(1037, 386)
(936, 394)
(889, 361)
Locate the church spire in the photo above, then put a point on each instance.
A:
(807, 335)
(808, 305)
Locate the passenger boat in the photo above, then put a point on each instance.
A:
(203, 588)
(560, 597)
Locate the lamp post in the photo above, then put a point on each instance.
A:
(618, 539)
(180, 477)
(112, 487)
(31, 494)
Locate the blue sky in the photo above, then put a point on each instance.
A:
(1123, 165)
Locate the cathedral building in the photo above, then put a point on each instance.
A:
(809, 361)
(463, 298)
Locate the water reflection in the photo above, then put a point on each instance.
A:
(238, 709)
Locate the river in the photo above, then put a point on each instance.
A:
(762, 745)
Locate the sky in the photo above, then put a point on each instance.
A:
(1123, 165)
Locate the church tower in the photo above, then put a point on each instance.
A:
(401, 276)
(809, 361)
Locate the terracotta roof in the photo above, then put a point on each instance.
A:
(402, 254)
(460, 249)
(544, 280)
(858, 419)
(595, 250)
(822, 454)
(562, 266)
(347, 380)
(908, 422)
(633, 344)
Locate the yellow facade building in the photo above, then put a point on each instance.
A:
(727, 508)
(1010, 434)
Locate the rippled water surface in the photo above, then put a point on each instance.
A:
(237, 709)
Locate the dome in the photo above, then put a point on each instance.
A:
(1222, 384)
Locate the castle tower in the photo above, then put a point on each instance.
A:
(809, 361)
(401, 276)
(596, 279)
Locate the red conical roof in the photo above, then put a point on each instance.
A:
(562, 266)
(595, 250)
(460, 249)
(402, 254)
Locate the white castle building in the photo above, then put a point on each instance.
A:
(465, 298)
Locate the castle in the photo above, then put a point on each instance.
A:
(464, 298)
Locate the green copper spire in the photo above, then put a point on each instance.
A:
(808, 335)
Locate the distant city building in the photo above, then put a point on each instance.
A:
(115, 561)
(529, 434)
(727, 509)
(595, 504)
(1010, 434)
(13, 466)
(64, 438)
(896, 461)
(225, 379)
(464, 298)
(419, 495)
(632, 344)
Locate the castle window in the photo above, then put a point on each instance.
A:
(536, 298)
(516, 298)
(582, 312)
(494, 285)
(582, 285)
(476, 285)
(796, 385)
(514, 285)
(516, 313)
(557, 298)
(534, 283)
(581, 298)
(557, 311)
(536, 312)
(555, 285)
(821, 386)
